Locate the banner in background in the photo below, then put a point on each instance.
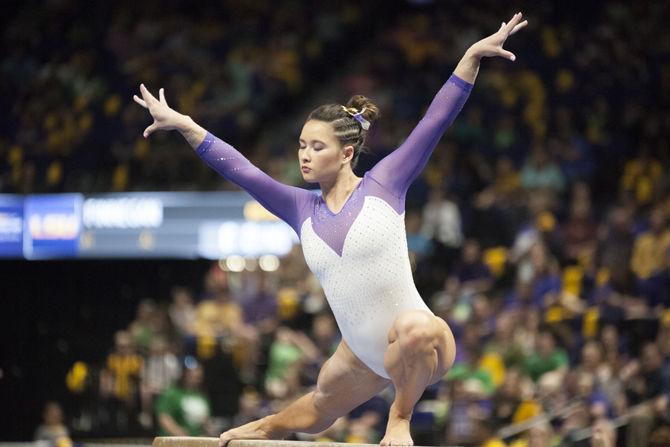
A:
(211, 225)
(11, 226)
(52, 226)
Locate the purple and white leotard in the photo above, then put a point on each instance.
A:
(360, 253)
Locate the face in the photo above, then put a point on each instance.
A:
(546, 344)
(193, 377)
(320, 153)
(53, 414)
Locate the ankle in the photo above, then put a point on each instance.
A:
(396, 414)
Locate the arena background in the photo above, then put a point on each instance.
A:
(547, 200)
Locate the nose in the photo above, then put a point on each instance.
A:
(304, 156)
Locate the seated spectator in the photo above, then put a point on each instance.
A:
(642, 176)
(649, 385)
(503, 341)
(259, 302)
(183, 409)
(290, 350)
(119, 381)
(182, 311)
(219, 315)
(547, 357)
(650, 259)
(579, 230)
(161, 369)
(143, 328)
(441, 223)
(52, 431)
(472, 273)
(325, 334)
(615, 246)
(418, 244)
(540, 172)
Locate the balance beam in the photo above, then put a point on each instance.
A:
(185, 441)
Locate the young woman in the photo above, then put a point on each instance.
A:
(353, 237)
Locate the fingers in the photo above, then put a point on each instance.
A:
(149, 130)
(506, 54)
(140, 101)
(519, 26)
(514, 21)
(161, 95)
(148, 97)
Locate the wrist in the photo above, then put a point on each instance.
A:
(472, 55)
(184, 123)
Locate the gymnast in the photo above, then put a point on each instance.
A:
(353, 238)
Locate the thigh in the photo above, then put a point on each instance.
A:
(345, 382)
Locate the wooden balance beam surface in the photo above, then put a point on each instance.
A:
(184, 441)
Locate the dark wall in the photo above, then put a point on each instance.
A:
(53, 313)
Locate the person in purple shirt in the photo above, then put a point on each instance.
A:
(353, 237)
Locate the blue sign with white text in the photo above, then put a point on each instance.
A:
(52, 226)
(11, 226)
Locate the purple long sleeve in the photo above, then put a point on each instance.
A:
(289, 203)
(397, 171)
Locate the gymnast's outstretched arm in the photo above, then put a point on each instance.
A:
(282, 200)
(398, 170)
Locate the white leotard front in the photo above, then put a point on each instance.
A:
(371, 283)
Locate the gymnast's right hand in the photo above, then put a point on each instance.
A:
(164, 117)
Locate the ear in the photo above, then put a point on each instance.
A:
(347, 153)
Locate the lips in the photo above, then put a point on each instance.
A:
(305, 169)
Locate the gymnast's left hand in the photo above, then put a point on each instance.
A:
(492, 45)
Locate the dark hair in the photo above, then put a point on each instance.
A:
(347, 130)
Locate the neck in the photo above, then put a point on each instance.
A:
(337, 191)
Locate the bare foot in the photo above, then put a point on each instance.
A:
(253, 430)
(397, 433)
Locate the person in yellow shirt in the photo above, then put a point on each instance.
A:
(119, 381)
(642, 177)
(650, 258)
(122, 369)
(218, 316)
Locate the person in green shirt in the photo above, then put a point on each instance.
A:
(547, 357)
(183, 409)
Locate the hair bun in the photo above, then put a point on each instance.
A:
(359, 102)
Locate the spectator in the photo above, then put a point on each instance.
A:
(143, 328)
(649, 385)
(442, 224)
(473, 275)
(540, 172)
(119, 381)
(182, 311)
(183, 409)
(549, 357)
(160, 370)
(52, 431)
(650, 259)
(642, 176)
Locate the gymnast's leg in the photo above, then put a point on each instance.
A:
(344, 383)
(421, 349)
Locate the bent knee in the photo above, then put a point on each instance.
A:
(415, 330)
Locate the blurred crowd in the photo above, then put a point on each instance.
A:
(540, 229)
(68, 73)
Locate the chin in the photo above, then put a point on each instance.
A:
(309, 178)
